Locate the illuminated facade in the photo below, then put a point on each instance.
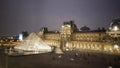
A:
(70, 38)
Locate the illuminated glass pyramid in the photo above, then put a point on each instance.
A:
(33, 43)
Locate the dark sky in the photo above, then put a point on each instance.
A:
(31, 15)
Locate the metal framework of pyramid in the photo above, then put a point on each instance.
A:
(33, 43)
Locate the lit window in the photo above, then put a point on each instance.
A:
(115, 28)
(116, 46)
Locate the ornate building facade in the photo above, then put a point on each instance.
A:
(70, 38)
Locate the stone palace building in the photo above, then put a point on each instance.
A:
(70, 38)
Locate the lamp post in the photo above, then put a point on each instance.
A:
(6, 58)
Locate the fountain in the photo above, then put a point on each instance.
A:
(33, 44)
(58, 50)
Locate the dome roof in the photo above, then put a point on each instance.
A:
(84, 28)
(115, 25)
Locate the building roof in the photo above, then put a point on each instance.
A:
(115, 25)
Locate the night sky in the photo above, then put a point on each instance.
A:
(31, 15)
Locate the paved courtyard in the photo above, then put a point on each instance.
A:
(69, 59)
